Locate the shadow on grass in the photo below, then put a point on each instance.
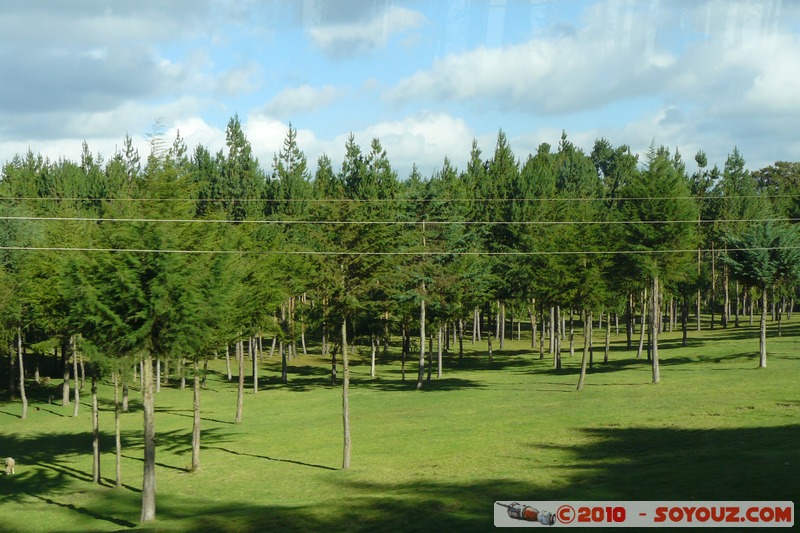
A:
(617, 464)
(301, 463)
(435, 384)
(85, 511)
(757, 463)
(613, 463)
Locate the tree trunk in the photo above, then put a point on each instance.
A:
(373, 351)
(502, 325)
(36, 361)
(149, 476)
(83, 370)
(552, 328)
(697, 311)
(629, 326)
(439, 355)
(608, 339)
(22, 394)
(655, 329)
(590, 332)
(12, 372)
(489, 345)
(196, 419)
(543, 335)
(581, 380)
(125, 393)
(240, 395)
(333, 366)
(76, 390)
(698, 275)
(346, 398)
(684, 321)
(404, 349)
(713, 284)
(460, 342)
(726, 299)
(285, 346)
(117, 436)
(736, 304)
(532, 313)
(254, 358)
(228, 362)
(95, 433)
(571, 334)
(430, 356)
(66, 349)
(762, 345)
(182, 372)
(158, 374)
(557, 342)
(642, 328)
(421, 372)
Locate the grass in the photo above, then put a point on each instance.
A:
(716, 428)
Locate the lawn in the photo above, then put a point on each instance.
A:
(715, 428)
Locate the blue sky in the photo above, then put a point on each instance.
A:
(425, 77)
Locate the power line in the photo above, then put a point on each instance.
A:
(392, 200)
(352, 253)
(393, 222)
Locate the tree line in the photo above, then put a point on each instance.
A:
(183, 255)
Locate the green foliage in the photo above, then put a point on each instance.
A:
(764, 255)
(660, 210)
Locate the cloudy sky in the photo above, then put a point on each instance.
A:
(425, 77)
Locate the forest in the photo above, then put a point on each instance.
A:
(122, 268)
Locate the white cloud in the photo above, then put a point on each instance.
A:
(301, 99)
(547, 75)
(239, 80)
(349, 38)
(424, 138)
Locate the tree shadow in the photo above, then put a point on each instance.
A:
(291, 461)
(757, 463)
(85, 511)
(433, 385)
(611, 463)
(751, 464)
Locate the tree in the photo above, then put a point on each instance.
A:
(780, 181)
(763, 256)
(291, 178)
(659, 235)
(143, 304)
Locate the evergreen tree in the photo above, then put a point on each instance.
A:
(658, 206)
(762, 256)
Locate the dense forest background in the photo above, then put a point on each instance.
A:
(181, 253)
(194, 249)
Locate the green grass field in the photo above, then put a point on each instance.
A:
(715, 428)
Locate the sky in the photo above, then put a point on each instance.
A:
(424, 77)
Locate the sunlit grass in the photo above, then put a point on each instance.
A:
(715, 428)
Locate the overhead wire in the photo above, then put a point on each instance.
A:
(397, 253)
(390, 200)
(390, 222)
